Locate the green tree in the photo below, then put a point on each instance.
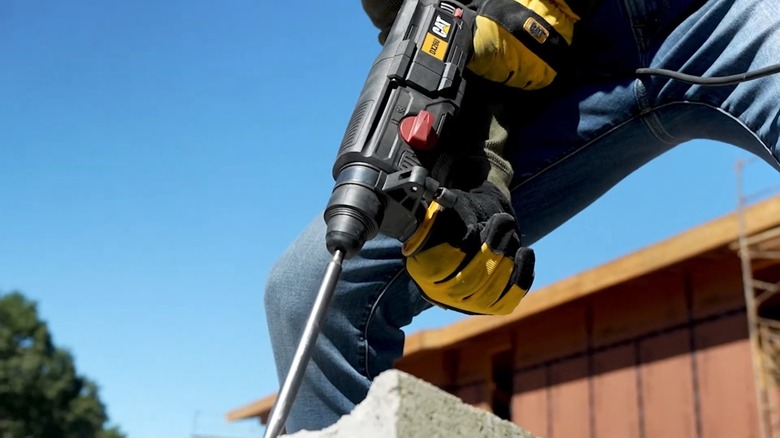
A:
(41, 394)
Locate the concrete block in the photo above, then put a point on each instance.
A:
(399, 405)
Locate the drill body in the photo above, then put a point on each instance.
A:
(412, 94)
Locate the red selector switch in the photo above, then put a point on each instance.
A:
(417, 131)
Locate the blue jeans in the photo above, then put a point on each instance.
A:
(569, 146)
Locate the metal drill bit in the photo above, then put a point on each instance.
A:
(292, 382)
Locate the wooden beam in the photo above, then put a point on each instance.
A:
(260, 408)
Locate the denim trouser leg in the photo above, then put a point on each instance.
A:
(593, 136)
(361, 335)
(567, 151)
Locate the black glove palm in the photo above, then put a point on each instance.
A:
(469, 257)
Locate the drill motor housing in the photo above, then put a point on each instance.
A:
(413, 92)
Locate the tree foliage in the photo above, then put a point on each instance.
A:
(41, 393)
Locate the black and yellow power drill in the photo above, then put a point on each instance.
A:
(413, 93)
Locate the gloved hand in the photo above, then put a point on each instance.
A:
(469, 257)
(520, 43)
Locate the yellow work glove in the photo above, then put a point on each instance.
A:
(522, 43)
(469, 257)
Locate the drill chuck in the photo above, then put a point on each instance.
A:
(352, 217)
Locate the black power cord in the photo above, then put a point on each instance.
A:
(710, 81)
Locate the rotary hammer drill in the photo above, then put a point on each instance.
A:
(413, 93)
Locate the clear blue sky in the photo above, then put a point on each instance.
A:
(157, 156)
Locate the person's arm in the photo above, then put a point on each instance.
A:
(382, 14)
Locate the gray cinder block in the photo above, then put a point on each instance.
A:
(399, 405)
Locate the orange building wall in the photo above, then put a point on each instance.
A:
(664, 355)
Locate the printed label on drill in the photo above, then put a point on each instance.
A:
(437, 39)
(441, 27)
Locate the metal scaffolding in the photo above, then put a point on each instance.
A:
(760, 259)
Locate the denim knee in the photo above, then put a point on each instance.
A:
(284, 307)
(292, 285)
